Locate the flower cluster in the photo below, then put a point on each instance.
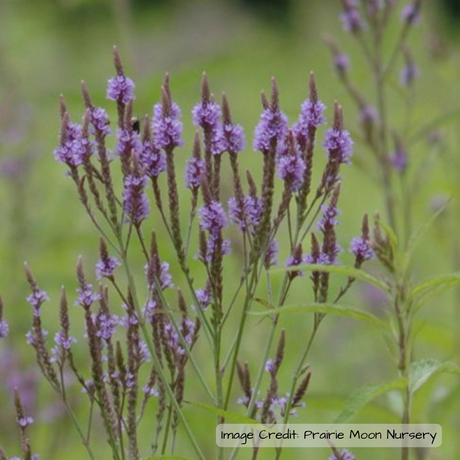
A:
(144, 352)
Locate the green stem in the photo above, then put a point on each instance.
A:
(156, 359)
(242, 323)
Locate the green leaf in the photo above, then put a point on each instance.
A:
(418, 234)
(340, 270)
(421, 371)
(229, 416)
(326, 308)
(436, 284)
(364, 396)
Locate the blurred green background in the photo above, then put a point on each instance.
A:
(48, 46)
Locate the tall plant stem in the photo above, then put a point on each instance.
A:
(379, 77)
(241, 326)
(155, 357)
(404, 357)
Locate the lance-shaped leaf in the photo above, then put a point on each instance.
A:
(421, 371)
(327, 309)
(364, 396)
(436, 285)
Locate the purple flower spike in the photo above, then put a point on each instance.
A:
(128, 142)
(166, 126)
(100, 120)
(4, 329)
(399, 160)
(206, 115)
(152, 159)
(294, 261)
(341, 63)
(410, 14)
(339, 145)
(311, 116)
(409, 73)
(329, 217)
(212, 246)
(105, 268)
(249, 216)
(361, 248)
(194, 171)
(212, 218)
(36, 299)
(232, 138)
(135, 203)
(64, 342)
(204, 297)
(291, 168)
(351, 17)
(368, 115)
(106, 325)
(269, 367)
(74, 147)
(271, 256)
(273, 126)
(120, 89)
(165, 276)
(25, 421)
(346, 455)
(86, 296)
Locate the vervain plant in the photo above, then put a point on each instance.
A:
(147, 353)
(385, 137)
(370, 22)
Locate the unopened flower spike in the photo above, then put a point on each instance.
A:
(399, 158)
(272, 128)
(338, 142)
(351, 17)
(410, 14)
(120, 88)
(107, 264)
(340, 60)
(410, 72)
(195, 168)
(361, 246)
(290, 164)
(4, 328)
(231, 139)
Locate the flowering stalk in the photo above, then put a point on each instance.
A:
(150, 358)
(375, 121)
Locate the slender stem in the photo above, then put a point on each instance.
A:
(185, 345)
(219, 385)
(379, 78)
(156, 359)
(242, 323)
(167, 430)
(79, 429)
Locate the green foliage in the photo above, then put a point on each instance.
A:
(421, 371)
(364, 396)
(326, 308)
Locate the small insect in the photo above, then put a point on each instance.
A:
(135, 124)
